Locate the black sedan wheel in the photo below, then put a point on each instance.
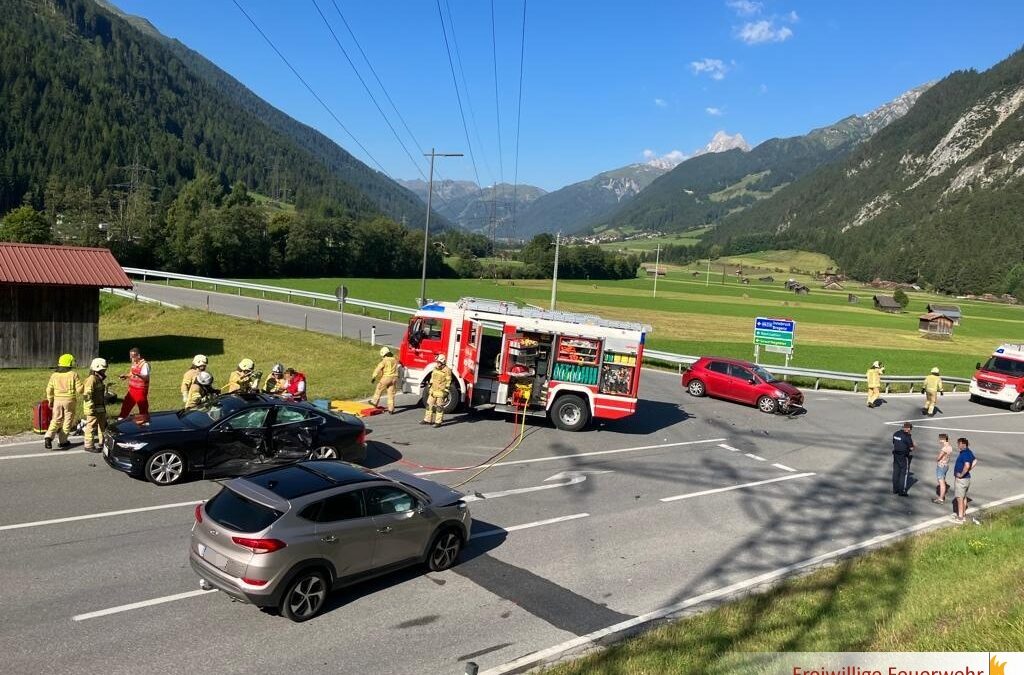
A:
(165, 467)
(324, 452)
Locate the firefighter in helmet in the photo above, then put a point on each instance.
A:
(874, 377)
(200, 391)
(243, 379)
(275, 381)
(94, 405)
(62, 394)
(438, 392)
(932, 391)
(387, 371)
(199, 363)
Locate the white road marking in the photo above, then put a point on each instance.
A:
(139, 605)
(90, 516)
(757, 457)
(191, 594)
(551, 653)
(783, 467)
(728, 447)
(11, 445)
(525, 526)
(48, 453)
(953, 417)
(580, 454)
(567, 478)
(969, 431)
(735, 487)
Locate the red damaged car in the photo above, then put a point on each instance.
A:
(743, 382)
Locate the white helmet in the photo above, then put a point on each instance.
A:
(278, 369)
(385, 351)
(441, 359)
(204, 378)
(98, 364)
(199, 360)
(246, 364)
(935, 370)
(876, 364)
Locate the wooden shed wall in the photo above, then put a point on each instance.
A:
(39, 323)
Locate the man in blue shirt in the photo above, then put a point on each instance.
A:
(965, 463)
(902, 449)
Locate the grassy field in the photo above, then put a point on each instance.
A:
(901, 598)
(169, 339)
(688, 238)
(691, 318)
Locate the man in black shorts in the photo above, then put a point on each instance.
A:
(902, 450)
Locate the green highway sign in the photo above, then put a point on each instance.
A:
(779, 334)
(773, 335)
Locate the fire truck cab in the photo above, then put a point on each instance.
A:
(570, 367)
(1001, 378)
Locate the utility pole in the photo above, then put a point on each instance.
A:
(554, 278)
(426, 227)
(657, 268)
(707, 279)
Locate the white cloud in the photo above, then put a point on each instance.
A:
(714, 112)
(713, 68)
(793, 17)
(667, 161)
(759, 32)
(661, 103)
(764, 88)
(745, 7)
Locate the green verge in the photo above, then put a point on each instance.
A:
(169, 338)
(955, 589)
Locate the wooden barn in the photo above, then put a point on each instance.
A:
(49, 302)
(952, 311)
(851, 298)
(887, 303)
(934, 324)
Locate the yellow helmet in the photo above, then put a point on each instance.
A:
(98, 365)
(66, 361)
(246, 364)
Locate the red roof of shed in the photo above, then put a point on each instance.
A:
(60, 266)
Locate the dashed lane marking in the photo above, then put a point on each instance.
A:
(49, 453)
(784, 467)
(104, 514)
(728, 447)
(757, 457)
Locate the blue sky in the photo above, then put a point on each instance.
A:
(603, 81)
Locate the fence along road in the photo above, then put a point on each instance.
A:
(278, 305)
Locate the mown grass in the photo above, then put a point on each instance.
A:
(951, 590)
(169, 338)
(688, 238)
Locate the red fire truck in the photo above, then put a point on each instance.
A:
(566, 366)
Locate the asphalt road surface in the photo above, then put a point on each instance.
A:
(574, 533)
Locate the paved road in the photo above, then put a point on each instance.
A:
(616, 550)
(278, 312)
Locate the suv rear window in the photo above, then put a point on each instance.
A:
(232, 510)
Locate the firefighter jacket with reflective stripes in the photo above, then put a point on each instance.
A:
(94, 395)
(387, 369)
(933, 383)
(874, 378)
(63, 386)
(187, 380)
(241, 381)
(440, 380)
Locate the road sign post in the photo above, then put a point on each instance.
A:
(775, 335)
(341, 292)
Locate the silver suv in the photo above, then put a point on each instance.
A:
(288, 536)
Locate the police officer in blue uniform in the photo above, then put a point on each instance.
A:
(902, 451)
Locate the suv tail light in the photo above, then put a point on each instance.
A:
(259, 545)
(199, 512)
(361, 438)
(255, 582)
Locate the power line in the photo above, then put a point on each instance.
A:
(519, 119)
(367, 88)
(458, 97)
(469, 97)
(310, 89)
(497, 113)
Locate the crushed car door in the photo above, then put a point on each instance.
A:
(293, 432)
(238, 441)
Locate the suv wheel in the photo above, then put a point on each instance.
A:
(767, 404)
(570, 413)
(696, 388)
(305, 596)
(444, 551)
(165, 467)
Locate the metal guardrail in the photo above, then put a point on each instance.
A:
(120, 292)
(264, 289)
(649, 354)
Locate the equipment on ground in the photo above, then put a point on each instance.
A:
(42, 414)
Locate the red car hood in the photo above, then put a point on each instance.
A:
(789, 390)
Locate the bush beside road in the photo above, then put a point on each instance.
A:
(169, 338)
(951, 590)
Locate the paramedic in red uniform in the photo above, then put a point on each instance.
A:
(295, 385)
(138, 385)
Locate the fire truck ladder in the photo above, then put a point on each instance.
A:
(512, 309)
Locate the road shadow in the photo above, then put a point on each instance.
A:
(162, 347)
(650, 417)
(471, 551)
(379, 454)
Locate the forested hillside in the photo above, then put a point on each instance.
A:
(937, 197)
(89, 101)
(704, 189)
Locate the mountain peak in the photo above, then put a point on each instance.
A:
(722, 141)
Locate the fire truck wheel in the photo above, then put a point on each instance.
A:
(570, 413)
(451, 402)
(1017, 405)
